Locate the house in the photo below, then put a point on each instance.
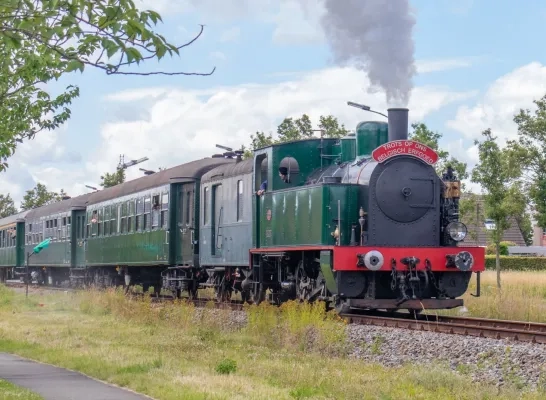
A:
(479, 227)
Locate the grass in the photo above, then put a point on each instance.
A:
(9, 391)
(522, 297)
(175, 351)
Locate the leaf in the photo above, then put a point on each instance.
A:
(133, 54)
(74, 65)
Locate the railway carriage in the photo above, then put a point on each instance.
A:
(145, 230)
(60, 222)
(226, 226)
(12, 251)
(362, 221)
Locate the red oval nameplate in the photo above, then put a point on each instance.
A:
(405, 148)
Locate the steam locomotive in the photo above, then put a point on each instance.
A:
(359, 222)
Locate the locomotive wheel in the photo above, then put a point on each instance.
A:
(223, 290)
(304, 284)
(258, 293)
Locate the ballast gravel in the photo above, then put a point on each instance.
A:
(486, 360)
(493, 361)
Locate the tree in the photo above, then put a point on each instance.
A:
(298, 129)
(7, 206)
(43, 40)
(527, 152)
(517, 200)
(40, 196)
(290, 129)
(258, 141)
(499, 181)
(330, 125)
(113, 179)
(423, 135)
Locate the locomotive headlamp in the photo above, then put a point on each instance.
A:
(457, 231)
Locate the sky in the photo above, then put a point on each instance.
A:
(478, 62)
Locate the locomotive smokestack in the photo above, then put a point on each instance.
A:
(398, 123)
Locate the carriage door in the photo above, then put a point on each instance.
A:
(217, 242)
(77, 237)
(185, 223)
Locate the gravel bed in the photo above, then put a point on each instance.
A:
(484, 359)
(487, 360)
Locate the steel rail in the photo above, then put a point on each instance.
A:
(479, 327)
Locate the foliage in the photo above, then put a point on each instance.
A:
(43, 40)
(257, 141)
(39, 196)
(113, 179)
(503, 248)
(7, 206)
(516, 263)
(499, 181)
(226, 366)
(10, 391)
(528, 153)
(469, 212)
(422, 134)
(291, 129)
(330, 126)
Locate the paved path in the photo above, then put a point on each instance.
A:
(54, 383)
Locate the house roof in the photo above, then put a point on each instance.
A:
(478, 235)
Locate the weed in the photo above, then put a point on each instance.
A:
(226, 366)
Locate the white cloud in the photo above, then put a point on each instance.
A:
(230, 35)
(33, 161)
(186, 124)
(502, 100)
(297, 23)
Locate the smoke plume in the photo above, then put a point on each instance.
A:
(375, 36)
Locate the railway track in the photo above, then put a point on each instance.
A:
(480, 327)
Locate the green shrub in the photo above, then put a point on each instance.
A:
(514, 263)
(503, 248)
(226, 366)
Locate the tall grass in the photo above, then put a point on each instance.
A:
(300, 326)
(174, 350)
(522, 297)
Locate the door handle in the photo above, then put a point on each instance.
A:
(167, 237)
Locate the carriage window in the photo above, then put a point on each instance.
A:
(239, 200)
(156, 209)
(165, 210)
(206, 206)
(147, 210)
(99, 222)
(114, 219)
(139, 212)
(131, 215)
(106, 219)
(124, 208)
